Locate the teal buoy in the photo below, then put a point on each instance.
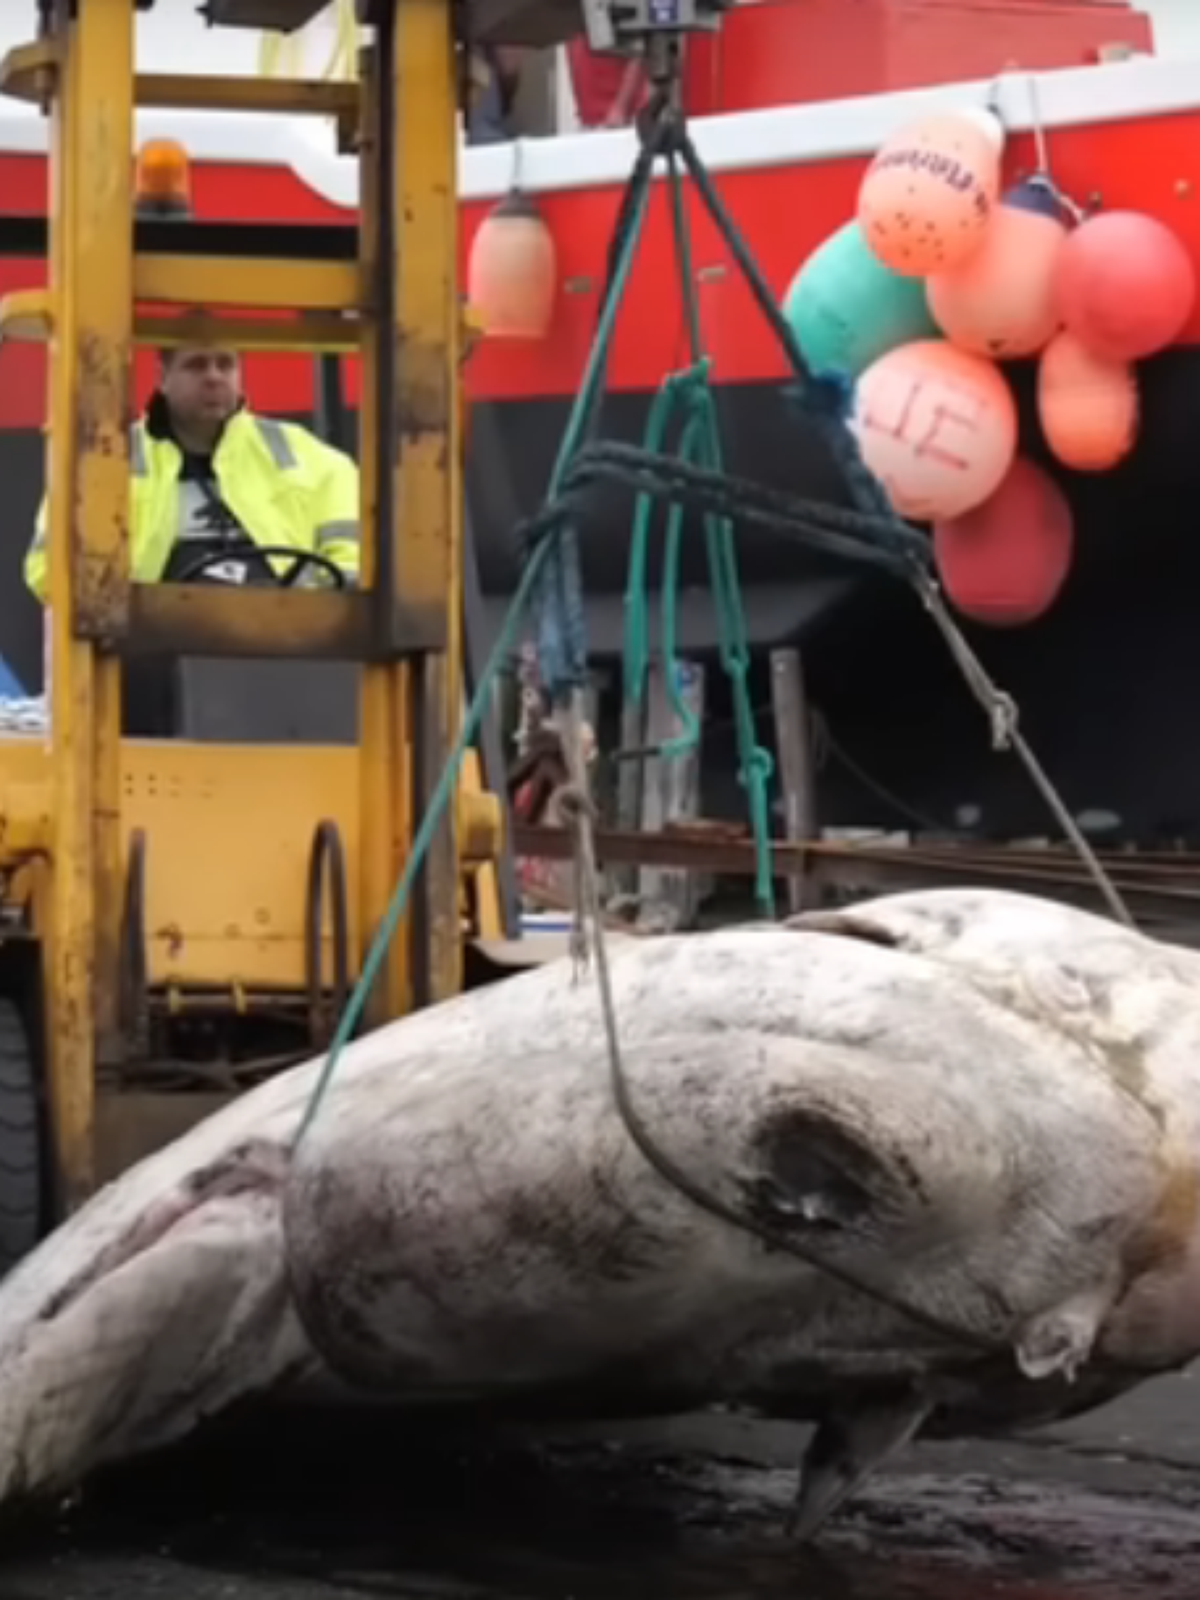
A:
(847, 309)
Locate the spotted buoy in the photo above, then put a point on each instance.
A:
(926, 199)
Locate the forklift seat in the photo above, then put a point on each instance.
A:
(233, 701)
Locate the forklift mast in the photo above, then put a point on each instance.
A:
(385, 290)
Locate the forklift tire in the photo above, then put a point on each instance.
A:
(20, 1142)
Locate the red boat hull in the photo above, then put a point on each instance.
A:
(785, 201)
(883, 685)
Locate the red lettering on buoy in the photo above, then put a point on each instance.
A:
(898, 429)
(948, 416)
(938, 424)
(925, 435)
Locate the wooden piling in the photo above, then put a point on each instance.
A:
(797, 779)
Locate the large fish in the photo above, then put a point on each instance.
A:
(926, 1166)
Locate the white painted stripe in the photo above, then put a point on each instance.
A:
(793, 135)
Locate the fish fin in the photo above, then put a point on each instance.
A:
(845, 925)
(844, 1452)
(1060, 1340)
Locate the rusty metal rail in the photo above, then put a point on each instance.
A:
(1160, 886)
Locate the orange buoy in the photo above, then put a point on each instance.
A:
(1088, 406)
(937, 427)
(512, 272)
(925, 201)
(1005, 562)
(1001, 302)
(1125, 285)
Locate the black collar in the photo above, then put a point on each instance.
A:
(158, 418)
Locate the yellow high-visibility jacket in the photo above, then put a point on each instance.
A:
(279, 480)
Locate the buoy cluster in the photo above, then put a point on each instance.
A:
(943, 277)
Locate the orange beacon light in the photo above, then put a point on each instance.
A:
(163, 180)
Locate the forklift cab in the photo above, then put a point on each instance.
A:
(240, 700)
(225, 699)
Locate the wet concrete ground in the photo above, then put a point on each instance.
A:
(1106, 1509)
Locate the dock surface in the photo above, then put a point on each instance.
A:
(1107, 1508)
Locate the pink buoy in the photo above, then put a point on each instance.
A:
(512, 272)
(926, 199)
(936, 426)
(1001, 301)
(1088, 406)
(1005, 562)
(1125, 285)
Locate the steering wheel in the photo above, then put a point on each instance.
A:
(300, 559)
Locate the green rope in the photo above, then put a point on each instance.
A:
(755, 764)
(636, 605)
(689, 736)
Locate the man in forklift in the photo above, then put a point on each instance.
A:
(210, 478)
(212, 481)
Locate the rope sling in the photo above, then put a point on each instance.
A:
(692, 480)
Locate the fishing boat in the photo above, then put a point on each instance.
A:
(904, 745)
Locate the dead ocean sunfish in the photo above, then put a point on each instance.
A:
(924, 1166)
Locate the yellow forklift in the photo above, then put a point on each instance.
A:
(184, 915)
